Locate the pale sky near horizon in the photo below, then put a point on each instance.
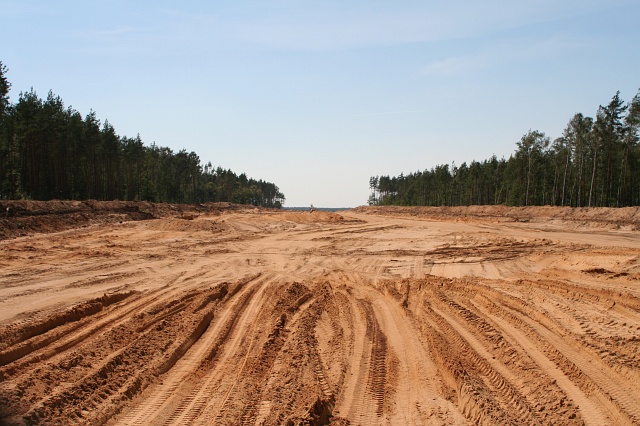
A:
(317, 96)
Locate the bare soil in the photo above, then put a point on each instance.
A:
(149, 314)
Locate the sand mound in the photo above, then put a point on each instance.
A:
(19, 218)
(628, 217)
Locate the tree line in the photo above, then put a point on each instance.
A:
(49, 151)
(594, 163)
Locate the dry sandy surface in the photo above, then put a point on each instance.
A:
(222, 315)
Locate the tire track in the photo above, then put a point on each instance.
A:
(592, 413)
(54, 344)
(256, 405)
(368, 397)
(110, 318)
(461, 362)
(122, 372)
(503, 381)
(531, 389)
(615, 393)
(220, 382)
(152, 406)
(416, 380)
(615, 387)
(358, 358)
(102, 348)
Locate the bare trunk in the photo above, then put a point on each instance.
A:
(564, 179)
(593, 176)
(526, 198)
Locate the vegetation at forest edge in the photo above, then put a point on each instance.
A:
(594, 163)
(49, 151)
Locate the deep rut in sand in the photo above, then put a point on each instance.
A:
(270, 318)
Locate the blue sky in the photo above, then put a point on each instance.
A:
(317, 96)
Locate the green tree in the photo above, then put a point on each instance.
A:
(5, 86)
(577, 137)
(530, 149)
(7, 172)
(133, 155)
(109, 152)
(609, 133)
(631, 154)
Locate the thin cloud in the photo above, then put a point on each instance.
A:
(112, 33)
(331, 26)
(504, 51)
(408, 111)
(325, 26)
(328, 26)
(455, 66)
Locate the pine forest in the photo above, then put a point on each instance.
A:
(594, 163)
(49, 151)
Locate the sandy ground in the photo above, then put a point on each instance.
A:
(371, 316)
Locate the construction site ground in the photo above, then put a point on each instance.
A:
(123, 313)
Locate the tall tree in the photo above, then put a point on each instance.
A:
(7, 174)
(610, 132)
(530, 149)
(577, 136)
(631, 156)
(4, 90)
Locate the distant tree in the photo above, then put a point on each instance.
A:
(577, 136)
(630, 188)
(609, 134)
(8, 172)
(373, 185)
(133, 156)
(561, 156)
(530, 149)
(4, 90)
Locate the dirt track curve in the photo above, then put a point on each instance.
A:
(365, 317)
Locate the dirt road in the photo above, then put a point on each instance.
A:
(364, 317)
